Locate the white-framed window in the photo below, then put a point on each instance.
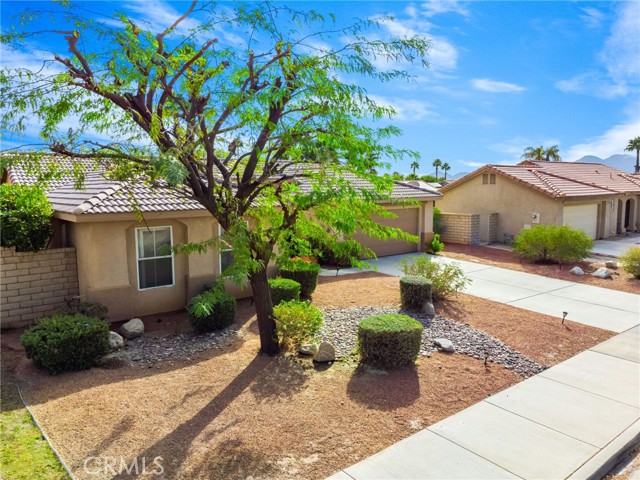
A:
(154, 257)
(226, 250)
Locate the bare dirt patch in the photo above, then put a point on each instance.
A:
(232, 413)
(621, 280)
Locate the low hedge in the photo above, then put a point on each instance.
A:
(212, 310)
(283, 290)
(303, 272)
(389, 340)
(66, 342)
(415, 291)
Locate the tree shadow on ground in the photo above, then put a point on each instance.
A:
(282, 380)
(384, 389)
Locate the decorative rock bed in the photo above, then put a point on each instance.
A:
(341, 327)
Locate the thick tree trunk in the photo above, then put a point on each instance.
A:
(264, 312)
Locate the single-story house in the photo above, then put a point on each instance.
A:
(119, 259)
(595, 198)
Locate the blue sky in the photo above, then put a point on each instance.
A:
(503, 75)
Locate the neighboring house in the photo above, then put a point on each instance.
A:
(595, 198)
(120, 257)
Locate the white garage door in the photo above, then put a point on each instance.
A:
(407, 219)
(583, 217)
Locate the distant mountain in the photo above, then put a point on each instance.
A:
(624, 163)
(451, 178)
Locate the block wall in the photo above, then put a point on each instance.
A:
(35, 284)
(463, 228)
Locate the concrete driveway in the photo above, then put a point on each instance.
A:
(614, 247)
(586, 304)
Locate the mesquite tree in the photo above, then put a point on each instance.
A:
(253, 110)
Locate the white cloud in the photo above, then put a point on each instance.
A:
(617, 73)
(407, 110)
(592, 17)
(611, 142)
(514, 147)
(438, 7)
(495, 86)
(159, 15)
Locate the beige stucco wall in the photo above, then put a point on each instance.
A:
(514, 204)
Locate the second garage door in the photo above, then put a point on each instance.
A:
(582, 217)
(408, 220)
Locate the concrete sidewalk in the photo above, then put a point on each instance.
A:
(586, 304)
(571, 421)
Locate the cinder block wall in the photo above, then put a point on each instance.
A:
(461, 228)
(35, 284)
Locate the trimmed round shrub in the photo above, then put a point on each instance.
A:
(212, 310)
(414, 291)
(25, 215)
(297, 322)
(553, 243)
(389, 340)
(283, 290)
(305, 273)
(88, 309)
(66, 342)
(630, 261)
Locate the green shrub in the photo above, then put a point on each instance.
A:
(446, 278)
(297, 322)
(630, 261)
(389, 340)
(283, 290)
(438, 226)
(414, 291)
(436, 245)
(553, 243)
(25, 215)
(211, 310)
(303, 272)
(88, 309)
(66, 342)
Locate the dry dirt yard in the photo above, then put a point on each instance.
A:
(231, 413)
(500, 257)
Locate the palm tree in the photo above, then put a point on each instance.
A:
(541, 154)
(634, 144)
(552, 154)
(414, 166)
(446, 168)
(437, 163)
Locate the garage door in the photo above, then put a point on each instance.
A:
(408, 220)
(582, 217)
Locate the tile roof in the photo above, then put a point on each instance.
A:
(563, 179)
(102, 195)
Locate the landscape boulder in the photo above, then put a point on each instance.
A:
(602, 272)
(132, 329)
(113, 360)
(577, 271)
(444, 344)
(611, 264)
(326, 353)
(116, 342)
(308, 349)
(428, 309)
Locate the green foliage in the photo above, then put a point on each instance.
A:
(630, 261)
(88, 309)
(303, 272)
(446, 278)
(283, 290)
(436, 245)
(438, 226)
(25, 216)
(211, 310)
(389, 340)
(297, 322)
(414, 292)
(553, 243)
(66, 342)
